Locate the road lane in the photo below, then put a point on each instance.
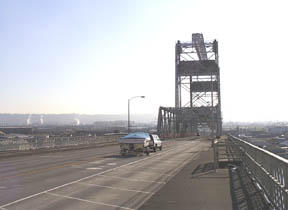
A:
(19, 164)
(107, 182)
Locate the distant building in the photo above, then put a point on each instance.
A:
(277, 130)
(284, 143)
(18, 130)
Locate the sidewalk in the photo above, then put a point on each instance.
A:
(197, 186)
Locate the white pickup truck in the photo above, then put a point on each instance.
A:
(157, 142)
(139, 143)
(135, 143)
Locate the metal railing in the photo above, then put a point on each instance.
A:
(268, 170)
(41, 142)
(226, 150)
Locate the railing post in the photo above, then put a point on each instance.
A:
(36, 141)
(215, 149)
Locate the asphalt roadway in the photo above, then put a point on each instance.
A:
(94, 178)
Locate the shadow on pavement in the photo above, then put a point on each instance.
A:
(123, 156)
(244, 192)
(203, 169)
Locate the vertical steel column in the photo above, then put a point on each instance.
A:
(177, 79)
(218, 111)
(191, 91)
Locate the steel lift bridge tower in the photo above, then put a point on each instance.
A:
(197, 91)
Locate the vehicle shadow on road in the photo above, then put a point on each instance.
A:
(121, 156)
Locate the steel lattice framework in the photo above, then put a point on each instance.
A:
(197, 90)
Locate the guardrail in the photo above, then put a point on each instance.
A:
(41, 142)
(270, 171)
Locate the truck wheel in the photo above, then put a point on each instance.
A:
(160, 148)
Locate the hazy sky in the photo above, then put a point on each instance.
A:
(89, 57)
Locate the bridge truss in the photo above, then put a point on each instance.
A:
(197, 91)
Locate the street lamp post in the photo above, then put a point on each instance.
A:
(129, 109)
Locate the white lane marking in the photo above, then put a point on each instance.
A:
(96, 161)
(172, 161)
(114, 188)
(49, 156)
(164, 165)
(76, 166)
(153, 168)
(88, 201)
(149, 172)
(172, 174)
(79, 180)
(167, 162)
(111, 164)
(133, 180)
(182, 165)
(3, 187)
(95, 168)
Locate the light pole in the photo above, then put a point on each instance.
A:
(129, 109)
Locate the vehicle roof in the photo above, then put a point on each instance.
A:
(137, 135)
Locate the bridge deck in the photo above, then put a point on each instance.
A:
(198, 186)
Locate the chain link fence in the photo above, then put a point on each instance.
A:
(43, 142)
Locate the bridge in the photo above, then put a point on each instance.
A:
(199, 167)
(197, 91)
